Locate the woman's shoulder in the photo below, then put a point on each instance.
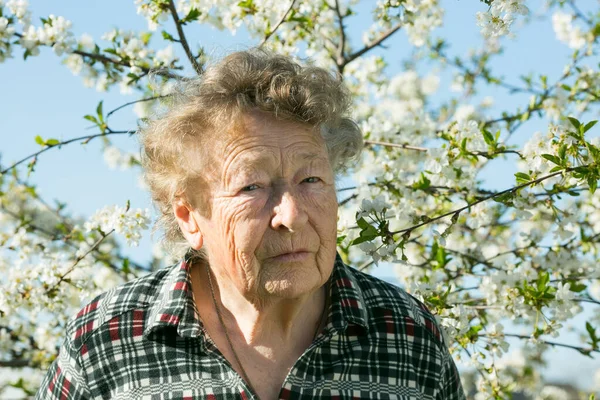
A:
(136, 294)
(379, 294)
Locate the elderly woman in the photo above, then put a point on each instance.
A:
(242, 167)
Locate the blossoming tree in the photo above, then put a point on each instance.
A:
(476, 257)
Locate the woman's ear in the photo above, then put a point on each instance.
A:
(187, 223)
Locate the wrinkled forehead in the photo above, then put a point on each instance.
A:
(260, 139)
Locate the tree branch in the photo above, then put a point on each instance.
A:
(579, 14)
(478, 153)
(430, 220)
(281, 21)
(403, 146)
(135, 102)
(81, 257)
(85, 140)
(553, 344)
(340, 60)
(370, 46)
(15, 364)
(109, 60)
(182, 39)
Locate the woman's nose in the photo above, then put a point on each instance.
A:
(289, 213)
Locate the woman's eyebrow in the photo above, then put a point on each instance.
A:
(312, 157)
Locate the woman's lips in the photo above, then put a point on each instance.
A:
(295, 256)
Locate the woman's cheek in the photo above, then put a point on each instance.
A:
(323, 198)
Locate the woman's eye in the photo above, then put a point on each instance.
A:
(312, 179)
(249, 188)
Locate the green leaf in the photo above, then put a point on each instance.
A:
(125, 267)
(423, 183)
(110, 51)
(340, 239)
(193, 15)
(146, 36)
(562, 151)
(441, 257)
(99, 111)
(362, 223)
(91, 118)
(589, 126)
(592, 183)
(31, 166)
(363, 238)
(455, 216)
(505, 198)
(577, 287)
(167, 36)
(371, 231)
(39, 140)
(522, 177)
(552, 158)
(590, 329)
(592, 332)
(52, 142)
(574, 122)
(488, 137)
(542, 281)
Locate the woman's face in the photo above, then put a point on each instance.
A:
(272, 226)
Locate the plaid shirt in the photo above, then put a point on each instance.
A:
(144, 340)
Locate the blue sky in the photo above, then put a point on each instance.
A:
(42, 97)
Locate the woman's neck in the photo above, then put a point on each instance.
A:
(269, 322)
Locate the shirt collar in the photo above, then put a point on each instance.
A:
(347, 300)
(175, 307)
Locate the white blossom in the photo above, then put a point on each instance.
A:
(20, 9)
(165, 56)
(566, 32)
(128, 223)
(493, 24)
(86, 42)
(533, 150)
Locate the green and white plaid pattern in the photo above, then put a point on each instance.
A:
(144, 340)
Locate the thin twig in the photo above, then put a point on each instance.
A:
(135, 102)
(78, 259)
(403, 146)
(366, 265)
(430, 220)
(15, 364)
(182, 39)
(550, 343)
(341, 58)
(477, 153)
(346, 200)
(85, 139)
(281, 21)
(370, 46)
(52, 235)
(579, 14)
(109, 60)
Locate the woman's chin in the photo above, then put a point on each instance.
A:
(290, 281)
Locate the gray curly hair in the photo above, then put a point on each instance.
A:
(203, 108)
